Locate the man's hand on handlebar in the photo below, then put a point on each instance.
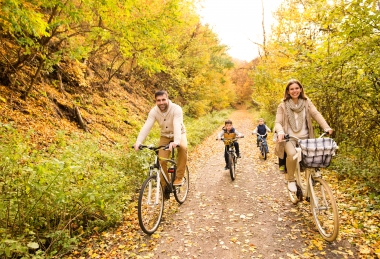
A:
(136, 146)
(172, 145)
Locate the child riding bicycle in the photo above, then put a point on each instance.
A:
(229, 129)
(262, 130)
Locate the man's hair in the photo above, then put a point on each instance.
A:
(228, 122)
(261, 119)
(160, 92)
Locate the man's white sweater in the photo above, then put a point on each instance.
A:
(171, 123)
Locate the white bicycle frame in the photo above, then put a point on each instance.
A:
(309, 180)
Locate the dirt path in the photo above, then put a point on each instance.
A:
(250, 217)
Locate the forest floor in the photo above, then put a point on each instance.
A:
(251, 217)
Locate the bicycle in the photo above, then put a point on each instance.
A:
(313, 154)
(263, 145)
(151, 197)
(229, 140)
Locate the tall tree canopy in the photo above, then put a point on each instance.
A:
(159, 43)
(332, 47)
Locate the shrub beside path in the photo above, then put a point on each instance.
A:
(250, 217)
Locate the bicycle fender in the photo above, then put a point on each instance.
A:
(298, 156)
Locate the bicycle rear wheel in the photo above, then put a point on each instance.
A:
(150, 211)
(181, 192)
(324, 209)
(232, 166)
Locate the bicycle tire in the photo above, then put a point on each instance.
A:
(180, 192)
(149, 213)
(231, 165)
(324, 209)
(264, 152)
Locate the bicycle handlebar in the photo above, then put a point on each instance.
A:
(266, 134)
(151, 147)
(288, 136)
(231, 138)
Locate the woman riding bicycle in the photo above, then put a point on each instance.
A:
(293, 117)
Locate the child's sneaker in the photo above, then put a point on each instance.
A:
(282, 169)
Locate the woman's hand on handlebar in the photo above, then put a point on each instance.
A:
(280, 137)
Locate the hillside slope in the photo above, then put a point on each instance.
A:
(111, 113)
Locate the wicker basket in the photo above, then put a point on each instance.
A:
(317, 152)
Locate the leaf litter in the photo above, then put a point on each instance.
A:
(250, 217)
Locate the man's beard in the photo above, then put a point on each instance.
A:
(163, 107)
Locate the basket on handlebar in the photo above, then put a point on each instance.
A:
(317, 152)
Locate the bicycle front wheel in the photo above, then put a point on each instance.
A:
(232, 166)
(324, 209)
(264, 152)
(150, 205)
(181, 192)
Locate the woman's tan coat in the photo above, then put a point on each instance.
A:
(282, 123)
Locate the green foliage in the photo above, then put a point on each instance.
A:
(357, 165)
(198, 129)
(51, 196)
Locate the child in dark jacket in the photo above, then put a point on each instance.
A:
(229, 129)
(261, 129)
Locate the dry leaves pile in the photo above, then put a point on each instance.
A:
(250, 217)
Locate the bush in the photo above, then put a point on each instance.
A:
(48, 197)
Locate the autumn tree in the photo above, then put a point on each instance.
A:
(332, 48)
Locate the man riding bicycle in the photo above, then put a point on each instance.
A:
(170, 119)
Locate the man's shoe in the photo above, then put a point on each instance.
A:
(282, 169)
(166, 193)
(178, 181)
(226, 168)
(239, 156)
(292, 186)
